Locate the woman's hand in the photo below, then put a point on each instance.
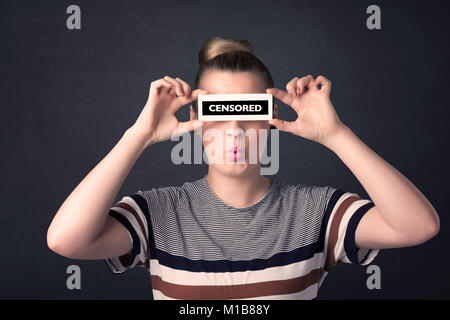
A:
(317, 119)
(157, 121)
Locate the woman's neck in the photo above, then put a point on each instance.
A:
(238, 191)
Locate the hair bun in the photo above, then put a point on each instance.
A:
(214, 46)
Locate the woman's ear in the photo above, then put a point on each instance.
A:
(192, 113)
(275, 115)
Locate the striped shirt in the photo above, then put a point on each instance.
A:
(195, 246)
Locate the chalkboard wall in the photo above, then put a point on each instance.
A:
(68, 95)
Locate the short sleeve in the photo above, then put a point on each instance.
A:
(132, 212)
(343, 212)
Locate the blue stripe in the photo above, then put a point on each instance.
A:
(142, 203)
(279, 259)
(349, 240)
(136, 243)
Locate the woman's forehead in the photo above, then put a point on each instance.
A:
(219, 81)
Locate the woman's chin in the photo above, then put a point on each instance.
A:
(231, 167)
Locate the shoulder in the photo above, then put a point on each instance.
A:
(171, 195)
(306, 193)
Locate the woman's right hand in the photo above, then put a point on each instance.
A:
(157, 121)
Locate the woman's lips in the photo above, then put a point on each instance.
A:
(235, 153)
(235, 149)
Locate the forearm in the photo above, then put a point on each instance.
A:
(401, 204)
(83, 214)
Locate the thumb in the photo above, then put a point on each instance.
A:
(194, 94)
(281, 124)
(188, 126)
(183, 100)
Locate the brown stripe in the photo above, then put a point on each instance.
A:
(334, 230)
(146, 264)
(241, 291)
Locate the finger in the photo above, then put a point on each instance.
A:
(291, 86)
(185, 100)
(325, 84)
(196, 92)
(188, 126)
(160, 86)
(194, 95)
(156, 85)
(287, 126)
(303, 84)
(281, 95)
(185, 85)
(177, 86)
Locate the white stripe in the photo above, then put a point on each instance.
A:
(324, 275)
(115, 265)
(183, 277)
(362, 253)
(158, 295)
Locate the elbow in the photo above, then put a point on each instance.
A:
(419, 235)
(435, 225)
(430, 226)
(431, 231)
(57, 245)
(53, 243)
(434, 230)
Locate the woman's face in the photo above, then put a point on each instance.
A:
(225, 136)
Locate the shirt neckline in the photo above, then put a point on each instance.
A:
(218, 201)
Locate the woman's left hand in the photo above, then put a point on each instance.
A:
(317, 119)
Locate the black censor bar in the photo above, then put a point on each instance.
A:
(242, 106)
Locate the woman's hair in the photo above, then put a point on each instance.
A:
(219, 53)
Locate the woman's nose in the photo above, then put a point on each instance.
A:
(234, 128)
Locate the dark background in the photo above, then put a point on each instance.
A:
(67, 96)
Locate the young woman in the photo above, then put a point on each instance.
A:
(235, 234)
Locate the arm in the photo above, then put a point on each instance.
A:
(77, 230)
(82, 228)
(402, 216)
